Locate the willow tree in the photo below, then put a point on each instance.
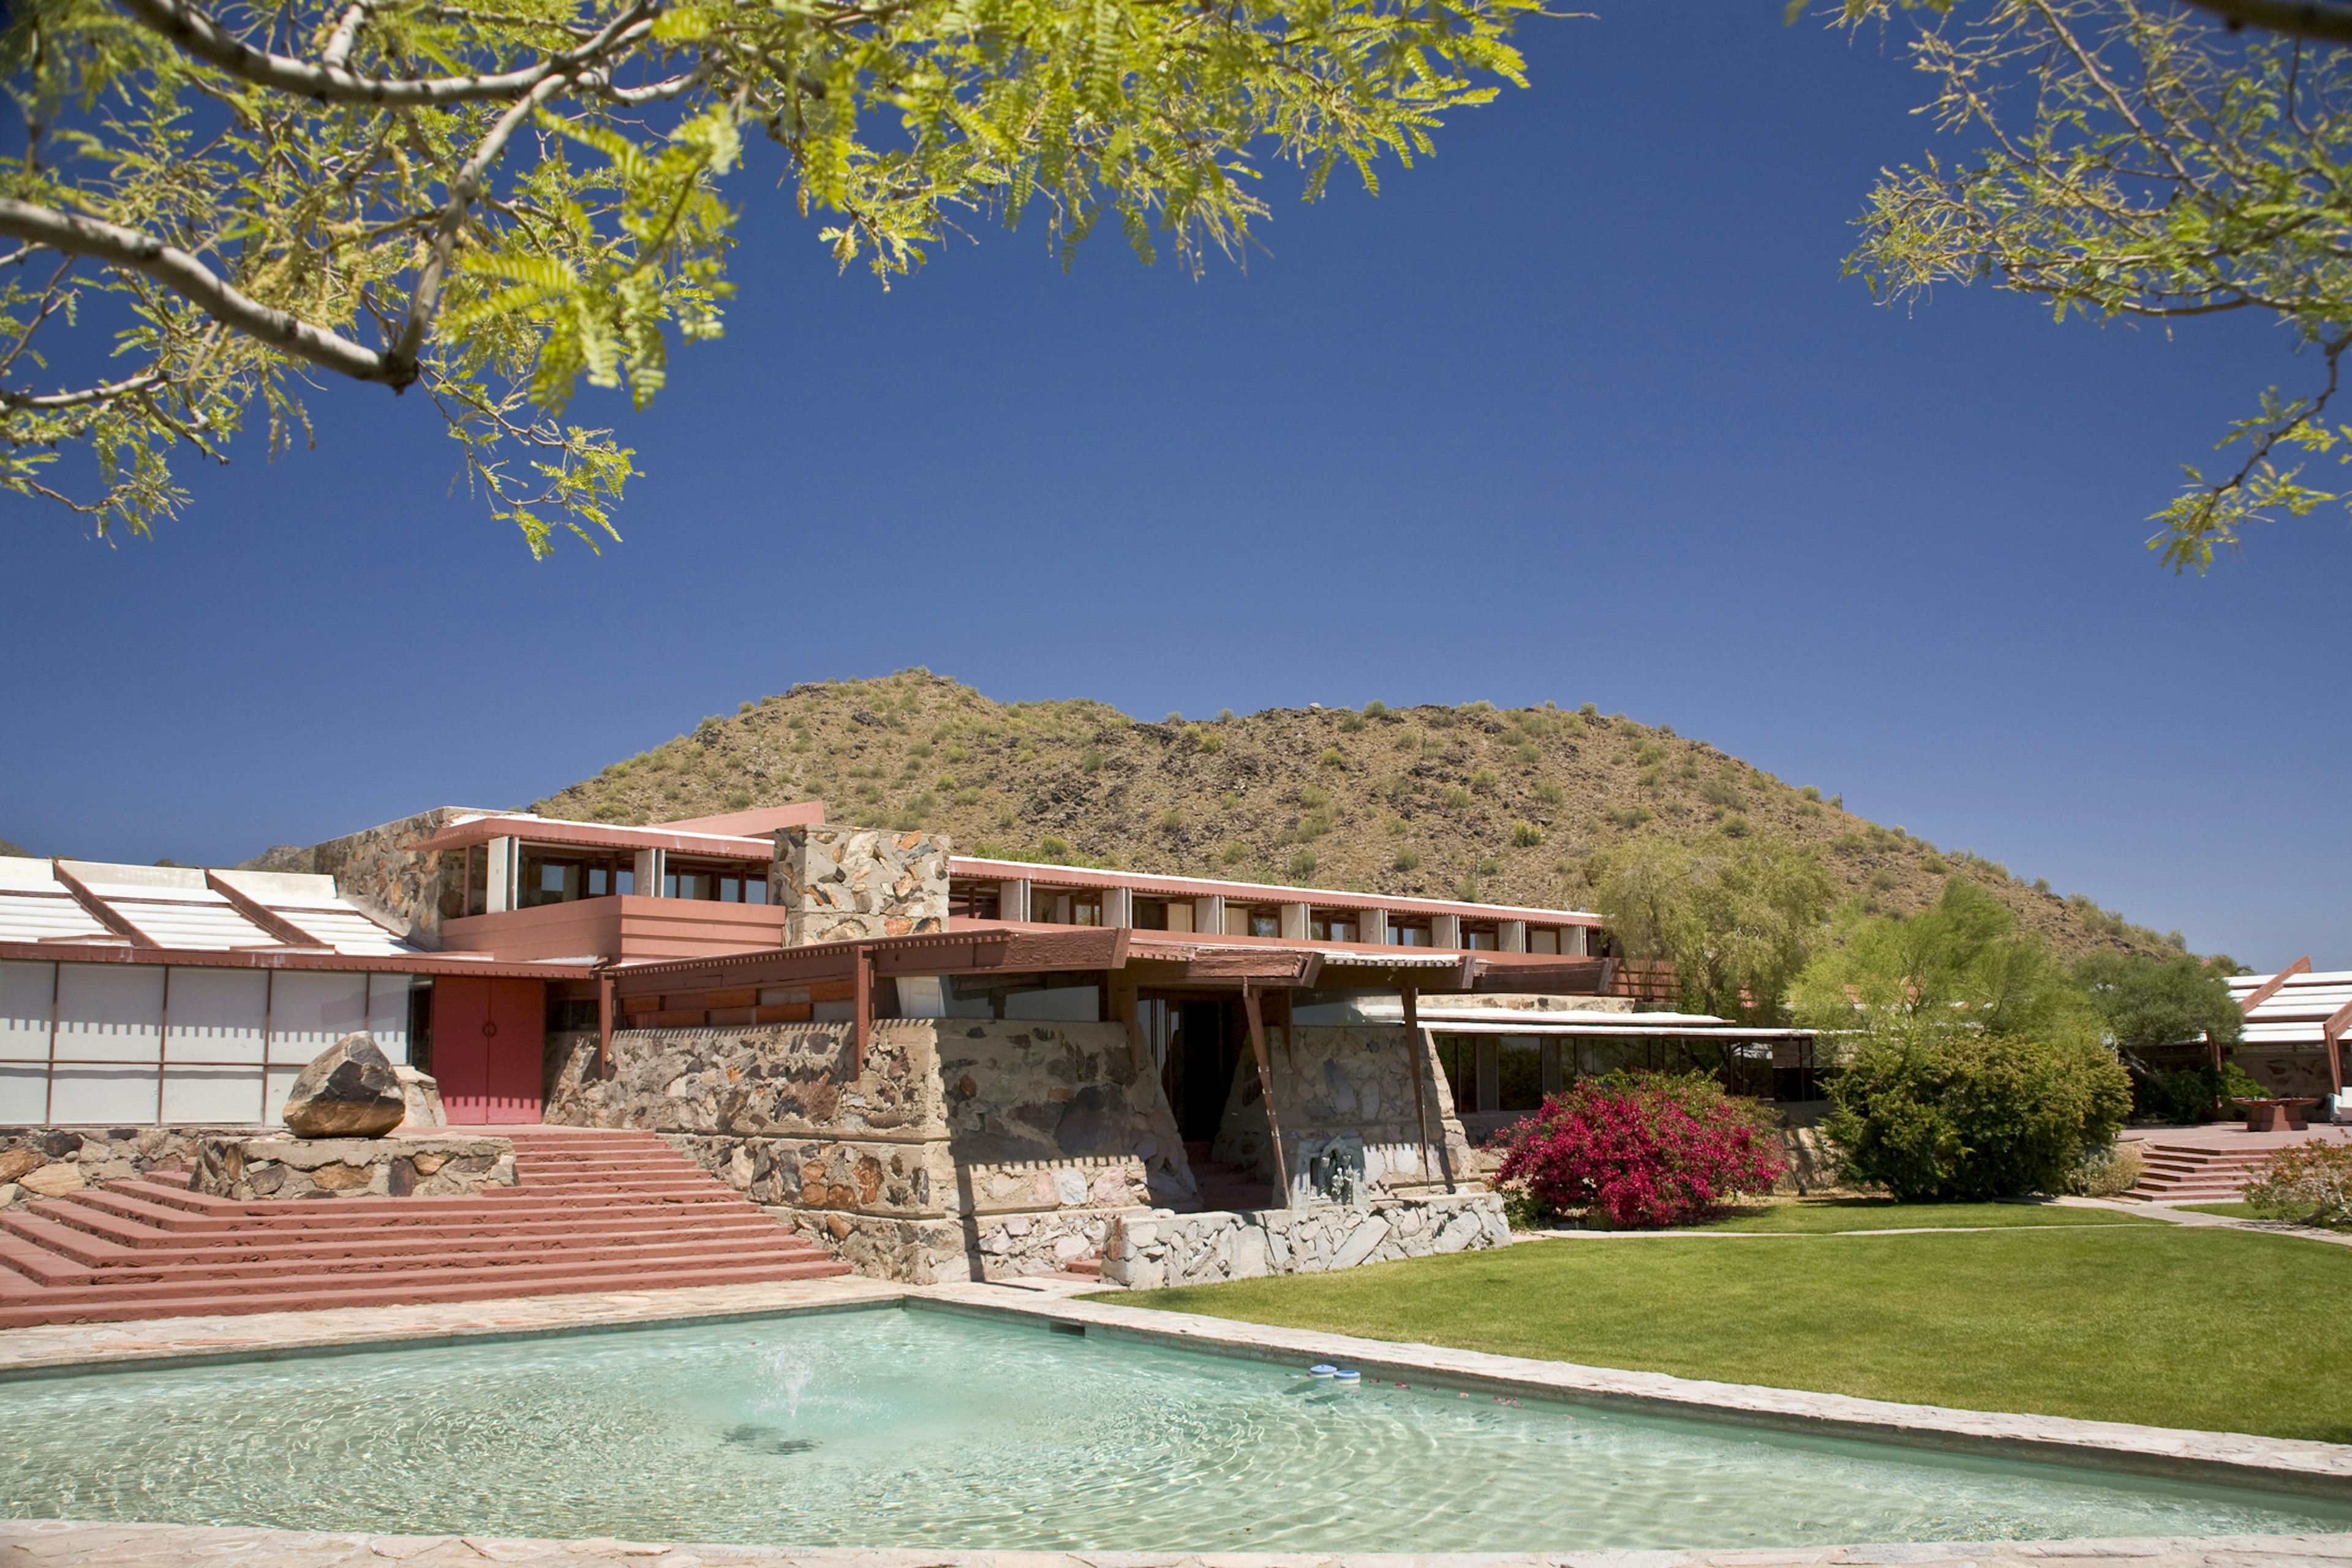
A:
(2135, 160)
(485, 203)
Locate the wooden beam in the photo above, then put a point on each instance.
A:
(861, 1018)
(1275, 968)
(1266, 1088)
(101, 911)
(607, 1000)
(2269, 988)
(1415, 1056)
(260, 914)
(2332, 1032)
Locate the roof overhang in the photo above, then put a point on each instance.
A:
(595, 836)
(1153, 883)
(98, 952)
(1156, 958)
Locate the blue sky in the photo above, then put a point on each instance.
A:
(1580, 410)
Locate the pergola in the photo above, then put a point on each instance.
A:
(1264, 971)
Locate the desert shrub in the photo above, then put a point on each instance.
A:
(1645, 1148)
(2309, 1182)
(1973, 1116)
(1526, 835)
(1407, 860)
(2107, 1171)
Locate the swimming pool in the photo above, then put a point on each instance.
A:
(929, 1429)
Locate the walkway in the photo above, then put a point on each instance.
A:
(592, 1210)
(39, 1543)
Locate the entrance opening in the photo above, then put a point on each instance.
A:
(1203, 1049)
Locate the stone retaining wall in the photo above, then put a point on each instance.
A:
(1147, 1251)
(440, 1165)
(50, 1162)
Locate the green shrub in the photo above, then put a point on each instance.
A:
(2310, 1182)
(2193, 1094)
(1302, 865)
(1407, 860)
(1526, 835)
(1973, 1117)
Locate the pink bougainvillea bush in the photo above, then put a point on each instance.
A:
(1645, 1148)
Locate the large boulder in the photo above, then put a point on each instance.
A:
(422, 1094)
(349, 1090)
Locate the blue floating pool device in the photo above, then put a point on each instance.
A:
(1322, 1369)
(1348, 1375)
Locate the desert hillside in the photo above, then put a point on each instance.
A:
(1506, 806)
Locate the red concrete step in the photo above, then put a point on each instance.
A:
(18, 1312)
(69, 1284)
(140, 1249)
(592, 1210)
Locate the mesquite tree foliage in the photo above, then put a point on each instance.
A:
(485, 202)
(2138, 159)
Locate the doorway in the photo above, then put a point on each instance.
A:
(487, 1042)
(1203, 1049)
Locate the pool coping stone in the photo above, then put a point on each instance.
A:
(71, 1543)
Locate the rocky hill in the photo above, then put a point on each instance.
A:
(1506, 806)
(16, 851)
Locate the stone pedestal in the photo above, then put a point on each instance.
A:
(435, 1166)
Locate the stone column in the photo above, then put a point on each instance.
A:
(1575, 941)
(1013, 899)
(1511, 936)
(1208, 915)
(1296, 920)
(652, 865)
(836, 884)
(1119, 907)
(1445, 931)
(1372, 925)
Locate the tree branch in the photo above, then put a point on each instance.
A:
(2295, 18)
(346, 34)
(178, 270)
(202, 37)
(55, 400)
(424, 300)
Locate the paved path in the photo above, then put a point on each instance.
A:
(46, 1543)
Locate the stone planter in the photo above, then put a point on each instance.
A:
(435, 1166)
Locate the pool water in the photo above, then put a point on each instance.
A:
(928, 1430)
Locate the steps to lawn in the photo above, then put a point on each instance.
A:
(592, 1210)
(2184, 1173)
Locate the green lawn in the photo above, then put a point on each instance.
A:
(1820, 1216)
(2171, 1326)
(2235, 1211)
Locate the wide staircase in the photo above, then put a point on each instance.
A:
(592, 1210)
(2185, 1174)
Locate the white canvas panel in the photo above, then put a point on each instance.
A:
(212, 1095)
(1063, 1004)
(277, 1083)
(216, 1015)
(114, 1095)
(921, 996)
(311, 1010)
(388, 1015)
(23, 1094)
(25, 990)
(111, 1013)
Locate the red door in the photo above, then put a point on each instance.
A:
(487, 1048)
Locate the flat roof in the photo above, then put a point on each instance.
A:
(1254, 892)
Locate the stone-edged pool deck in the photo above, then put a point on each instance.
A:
(2287, 1466)
(55, 1543)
